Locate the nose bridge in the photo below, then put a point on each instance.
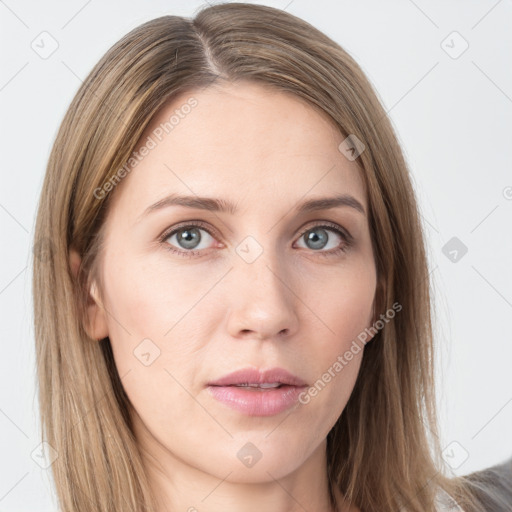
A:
(264, 302)
(262, 268)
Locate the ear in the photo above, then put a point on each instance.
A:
(96, 324)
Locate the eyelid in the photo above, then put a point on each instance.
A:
(176, 227)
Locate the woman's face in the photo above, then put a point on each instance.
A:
(265, 285)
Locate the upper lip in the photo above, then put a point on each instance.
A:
(255, 376)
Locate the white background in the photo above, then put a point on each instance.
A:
(453, 117)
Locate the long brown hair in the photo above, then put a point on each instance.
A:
(383, 452)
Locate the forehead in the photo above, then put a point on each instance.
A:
(243, 141)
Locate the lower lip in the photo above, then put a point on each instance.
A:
(258, 402)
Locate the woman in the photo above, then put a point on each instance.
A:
(235, 312)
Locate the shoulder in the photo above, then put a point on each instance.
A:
(445, 503)
(493, 486)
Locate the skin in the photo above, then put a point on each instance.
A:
(213, 313)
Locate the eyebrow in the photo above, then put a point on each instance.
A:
(222, 205)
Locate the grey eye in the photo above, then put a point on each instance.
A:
(189, 237)
(317, 238)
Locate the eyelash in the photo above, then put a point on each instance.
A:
(347, 239)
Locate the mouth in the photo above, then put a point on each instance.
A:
(254, 378)
(258, 387)
(257, 393)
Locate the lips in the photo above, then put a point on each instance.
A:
(254, 378)
(258, 393)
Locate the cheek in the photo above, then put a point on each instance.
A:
(343, 306)
(147, 297)
(153, 345)
(343, 310)
(141, 309)
(155, 324)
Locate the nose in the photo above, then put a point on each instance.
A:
(263, 302)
